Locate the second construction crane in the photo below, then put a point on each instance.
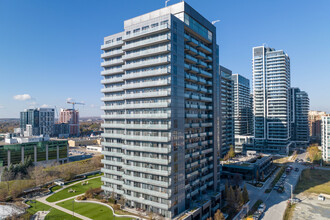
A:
(75, 103)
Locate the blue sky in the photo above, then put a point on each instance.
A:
(50, 50)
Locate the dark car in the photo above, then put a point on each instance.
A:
(297, 169)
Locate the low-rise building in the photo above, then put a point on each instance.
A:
(76, 142)
(242, 142)
(39, 149)
(250, 169)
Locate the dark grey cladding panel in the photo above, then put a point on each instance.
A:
(258, 51)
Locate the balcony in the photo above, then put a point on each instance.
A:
(201, 64)
(148, 105)
(148, 138)
(147, 42)
(148, 202)
(146, 191)
(191, 77)
(191, 115)
(147, 170)
(201, 55)
(206, 99)
(112, 98)
(149, 159)
(190, 59)
(152, 30)
(112, 45)
(112, 54)
(148, 52)
(204, 48)
(112, 71)
(110, 144)
(108, 171)
(147, 84)
(113, 125)
(191, 87)
(147, 94)
(142, 74)
(112, 107)
(111, 135)
(190, 49)
(205, 74)
(112, 89)
(110, 153)
(114, 116)
(111, 180)
(193, 42)
(153, 115)
(148, 126)
(112, 80)
(115, 62)
(146, 180)
(151, 62)
(112, 162)
(163, 150)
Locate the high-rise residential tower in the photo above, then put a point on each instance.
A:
(243, 115)
(39, 121)
(227, 110)
(299, 117)
(271, 100)
(161, 113)
(71, 117)
(325, 138)
(314, 118)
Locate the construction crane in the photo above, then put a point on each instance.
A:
(75, 103)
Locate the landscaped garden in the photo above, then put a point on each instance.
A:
(90, 210)
(53, 214)
(75, 189)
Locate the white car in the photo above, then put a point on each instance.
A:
(262, 208)
(321, 198)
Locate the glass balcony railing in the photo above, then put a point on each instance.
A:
(154, 51)
(151, 62)
(152, 30)
(112, 71)
(146, 42)
(146, 94)
(112, 45)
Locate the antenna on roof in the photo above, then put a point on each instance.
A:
(213, 22)
(166, 2)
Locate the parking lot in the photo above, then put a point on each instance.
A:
(312, 208)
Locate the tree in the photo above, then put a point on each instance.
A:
(219, 215)
(239, 198)
(231, 152)
(313, 152)
(262, 176)
(245, 195)
(257, 176)
(231, 197)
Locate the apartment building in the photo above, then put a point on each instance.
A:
(299, 117)
(271, 100)
(325, 137)
(39, 121)
(243, 116)
(315, 120)
(71, 117)
(227, 110)
(161, 113)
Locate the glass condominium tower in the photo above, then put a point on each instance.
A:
(271, 100)
(161, 113)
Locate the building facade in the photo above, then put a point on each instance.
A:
(71, 117)
(161, 112)
(227, 110)
(243, 115)
(315, 120)
(325, 137)
(299, 117)
(39, 121)
(38, 150)
(271, 100)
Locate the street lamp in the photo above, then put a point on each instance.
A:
(73, 207)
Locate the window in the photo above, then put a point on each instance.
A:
(145, 28)
(154, 25)
(136, 30)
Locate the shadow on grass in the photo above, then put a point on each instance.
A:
(314, 181)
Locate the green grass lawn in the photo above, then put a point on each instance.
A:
(90, 210)
(314, 181)
(54, 213)
(87, 177)
(63, 194)
(56, 188)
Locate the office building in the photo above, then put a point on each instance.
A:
(243, 116)
(39, 121)
(71, 117)
(299, 117)
(227, 110)
(271, 100)
(315, 119)
(161, 113)
(325, 131)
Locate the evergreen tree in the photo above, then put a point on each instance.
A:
(219, 215)
(239, 197)
(245, 195)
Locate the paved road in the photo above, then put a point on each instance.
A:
(276, 202)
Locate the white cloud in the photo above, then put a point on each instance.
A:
(22, 97)
(45, 106)
(69, 99)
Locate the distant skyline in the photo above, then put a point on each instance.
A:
(50, 50)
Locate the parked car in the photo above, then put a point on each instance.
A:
(321, 198)
(294, 200)
(297, 169)
(262, 208)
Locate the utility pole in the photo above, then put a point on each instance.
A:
(73, 207)
(291, 194)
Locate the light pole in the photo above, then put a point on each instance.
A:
(73, 207)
